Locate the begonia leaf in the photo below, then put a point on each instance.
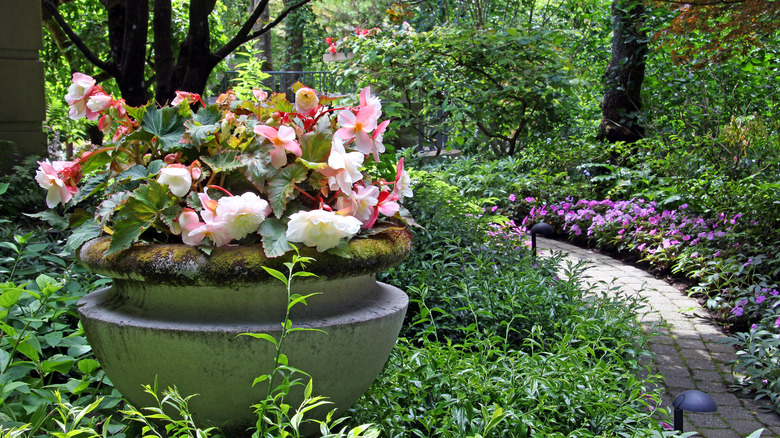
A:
(281, 188)
(166, 124)
(149, 203)
(274, 236)
(223, 162)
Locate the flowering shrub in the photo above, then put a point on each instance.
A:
(731, 273)
(233, 171)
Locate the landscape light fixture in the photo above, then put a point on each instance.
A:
(540, 228)
(692, 400)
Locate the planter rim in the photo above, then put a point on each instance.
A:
(180, 264)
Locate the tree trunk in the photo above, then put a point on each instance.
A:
(294, 38)
(621, 106)
(128, 24)
(264, 44)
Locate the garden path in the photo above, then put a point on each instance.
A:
(686, 348)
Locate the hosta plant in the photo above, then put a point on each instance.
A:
(236, 171)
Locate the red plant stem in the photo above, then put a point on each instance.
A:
(220, 189)
(304, 193)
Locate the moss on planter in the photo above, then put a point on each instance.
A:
(183, 264)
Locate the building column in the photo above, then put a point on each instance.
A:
(22, 86)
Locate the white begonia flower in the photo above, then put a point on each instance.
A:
(242, 214)
(321, 228)
(177, 177)
(346, 166)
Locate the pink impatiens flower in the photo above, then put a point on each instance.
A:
(283, 141)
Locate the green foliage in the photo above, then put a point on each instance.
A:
(485, 88)
(496, 343)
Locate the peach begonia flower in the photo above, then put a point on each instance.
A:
(306, 101)
(177, 177)
(259, 94)
(283, 141)
(59, 178)
(321, 228)
(344, 167)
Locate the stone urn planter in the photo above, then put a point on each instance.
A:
(174, 314)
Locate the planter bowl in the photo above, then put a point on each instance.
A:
(174, 315)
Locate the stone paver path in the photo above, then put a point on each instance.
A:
(687, 352)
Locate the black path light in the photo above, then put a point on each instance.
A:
(692, 400)
(540, 228)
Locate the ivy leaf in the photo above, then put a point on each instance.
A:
(274, 234)
(281, 188)
(151, 202)
(223, 162)
(166, 124)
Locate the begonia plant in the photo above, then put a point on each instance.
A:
(236, 171)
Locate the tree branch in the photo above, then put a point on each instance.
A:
(89, 54)
(243, 35)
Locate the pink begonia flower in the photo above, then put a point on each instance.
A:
(344, 167)
(242, 214)
(259, 94)
(193, 231)
(217, 232)
(358, 126)
(365, 99)
(360, 204)
(104, 124)
(388, 204)
(185, 96)
(209, 205)
(377, 147)
(99, 102)
(321, 228)
(58, 179)
(177, 177)
(78, 94)
(283, 141)
(403, 184)
(306, 101)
